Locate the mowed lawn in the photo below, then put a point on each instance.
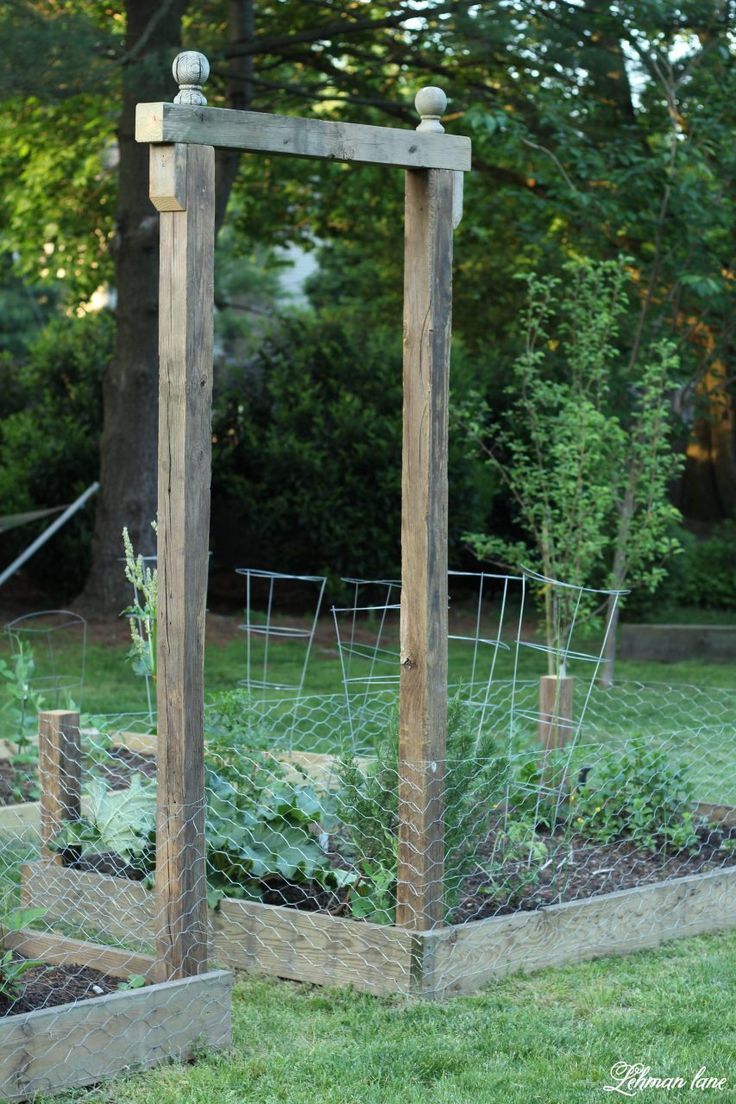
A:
(550, 1038)
(547, 1038)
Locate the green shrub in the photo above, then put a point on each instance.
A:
(703, 576)
(307, 452)
(49, 443)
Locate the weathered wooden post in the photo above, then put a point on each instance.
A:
(555, 711)
(423, 679)
(182, 188)
(59, 774)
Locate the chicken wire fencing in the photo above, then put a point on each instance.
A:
(88, 989)
(312, 846)
(559, 824)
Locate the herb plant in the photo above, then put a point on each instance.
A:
(367, 807)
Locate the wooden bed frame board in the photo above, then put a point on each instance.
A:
(333, 950)
(73, 1045)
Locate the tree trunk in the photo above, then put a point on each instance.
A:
(608, 667)
(128, 452)
(618, 578)
(128, 448)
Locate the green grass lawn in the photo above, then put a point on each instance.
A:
(550, 1038)
(110, 686)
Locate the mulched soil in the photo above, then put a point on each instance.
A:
(17, 784)
(121, 763)
(49, 986)
(575, 868)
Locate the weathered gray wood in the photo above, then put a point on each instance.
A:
(423, 681)
(463, 959)
(62, 950)
(21, 820)
(59, 773)
(555, 711)
(308, 946)
(79, 1044)
(331, 950)
(94, 905)
(284, 134)
(185, 402)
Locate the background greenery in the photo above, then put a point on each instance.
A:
(597, 130)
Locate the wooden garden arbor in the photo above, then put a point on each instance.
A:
(182, 138)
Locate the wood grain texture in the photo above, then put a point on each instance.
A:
(167, 187)
(423, 678)
(62, 950)
(185, 405)
(464, 959)
(99, 907)
(307, 946)
(59, 774)
(73, 1045)
(283, 134)
(555, 711)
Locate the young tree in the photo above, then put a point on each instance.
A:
(584, 453)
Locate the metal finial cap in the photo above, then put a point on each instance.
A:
(431, 103)
(191, 69)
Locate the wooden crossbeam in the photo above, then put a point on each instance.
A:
(258, 132)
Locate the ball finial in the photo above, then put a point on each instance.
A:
(191, 70)
(431, 103)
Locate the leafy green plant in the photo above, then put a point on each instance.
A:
(587, 472)
(262, 827)
(367, 808)
(135, 981)
(518, 858)
(636, 793)
(22, 702)
(19, 712)
(12, 969)
(119, 821)
(232, 728)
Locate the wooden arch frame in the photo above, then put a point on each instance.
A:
(182, 138)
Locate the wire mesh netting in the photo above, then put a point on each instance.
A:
(310, 808)
(87, 989)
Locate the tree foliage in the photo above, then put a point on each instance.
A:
(588, 480)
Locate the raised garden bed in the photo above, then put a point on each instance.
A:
(332, 950)
(98, 1037)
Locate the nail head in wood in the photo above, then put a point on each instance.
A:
(431, 103)
(191, 70)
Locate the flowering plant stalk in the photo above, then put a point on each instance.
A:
(143, 613)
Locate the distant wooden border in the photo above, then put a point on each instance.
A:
(73, 1045)
(333, 950)
(258, 132)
